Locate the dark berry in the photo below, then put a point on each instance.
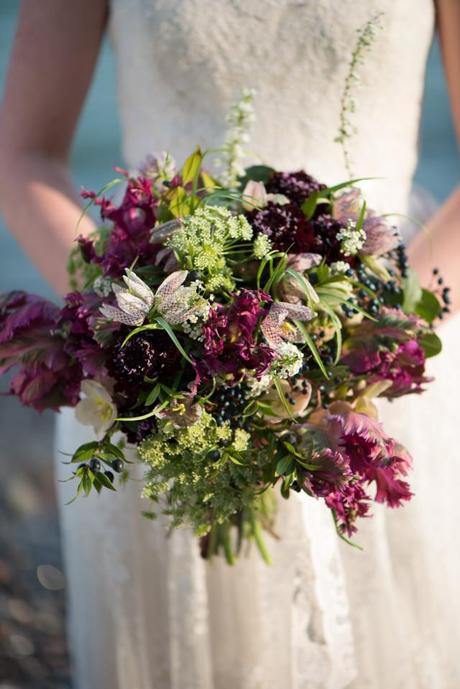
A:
(192, 276)
(82, 466)
(214, 455)
(95, 465)
(290, 437)
(117, 465)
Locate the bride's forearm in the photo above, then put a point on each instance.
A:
(438, 246)
(41, 208)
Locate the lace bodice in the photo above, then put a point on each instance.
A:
(181, 63)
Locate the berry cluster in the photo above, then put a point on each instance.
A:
(229, 405)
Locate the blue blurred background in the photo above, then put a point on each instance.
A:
(32, 602)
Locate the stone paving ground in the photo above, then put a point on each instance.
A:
(33, 651)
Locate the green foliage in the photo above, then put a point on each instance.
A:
(428, 306)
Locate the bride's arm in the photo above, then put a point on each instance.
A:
(52, 63)
(439, 245)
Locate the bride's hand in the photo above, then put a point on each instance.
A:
(53, 59)
(439, 245)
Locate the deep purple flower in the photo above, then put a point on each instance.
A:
(48, 377)
(130, 237)
(286, 226)
(403, 367)
(372, 455)
(325, 229)
(78, 319)
(297, 186)
(348, 502)
(230, 338)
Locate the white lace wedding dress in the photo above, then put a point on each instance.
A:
(145, 611)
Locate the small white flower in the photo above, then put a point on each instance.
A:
(352, 239)
(96, 409)
(339, 267)
(289, 361)
(262, 246)
(278, 199)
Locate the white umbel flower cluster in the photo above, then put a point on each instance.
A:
(339, 267)
(289, 361)
(262, 246)
(351, 239)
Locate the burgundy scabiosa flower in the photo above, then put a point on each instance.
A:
(325, 229)
(230, 345)
(48, 377)
(148, 354)
(297, 186)
(286, 226)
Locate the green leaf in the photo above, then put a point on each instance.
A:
(85, 452)
(105, 481)
(87, 482)
(179, 202)
(308, 207)
(256, 173)
(342, 535)
(209, 183)
(412, 292)
(349, 183)
(305, 285)
(430, 343)
(154, 411)
(428, 306)
(282, 397)
(277, 274)
(165, 325)
(312, 347)
(258, 537)
(376, 267)
(284, 466)
(362, 216)
(337, 323)
(192, 165)
(265, 261)
(153, 395)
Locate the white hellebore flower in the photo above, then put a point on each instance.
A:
(96, 409)
(134, 303)
(254, 196)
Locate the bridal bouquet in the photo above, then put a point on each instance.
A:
(234, 332)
